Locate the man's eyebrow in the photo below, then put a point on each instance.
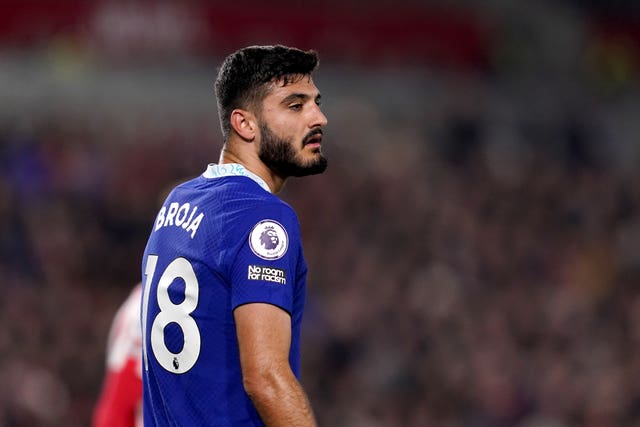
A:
(299, 97)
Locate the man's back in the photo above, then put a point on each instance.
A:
(218, 242)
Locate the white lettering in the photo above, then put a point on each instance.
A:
(176, 214)
(186, 224)
(194, 225)
(268, 274)
(160, 218)
(173, 208)
(270, 278)
(183, 211)
(273, 271)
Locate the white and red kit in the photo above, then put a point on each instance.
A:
(120, 401)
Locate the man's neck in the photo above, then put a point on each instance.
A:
(254, 165)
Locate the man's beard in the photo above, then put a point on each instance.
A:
(279, 155)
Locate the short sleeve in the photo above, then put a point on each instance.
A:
(264, 270)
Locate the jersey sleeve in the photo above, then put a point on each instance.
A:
(264, 269)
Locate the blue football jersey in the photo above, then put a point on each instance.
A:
(219, 241)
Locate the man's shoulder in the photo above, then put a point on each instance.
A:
(232, 205)
(244, 192)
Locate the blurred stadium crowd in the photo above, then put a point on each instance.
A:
(474, 248)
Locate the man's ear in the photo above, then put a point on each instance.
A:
(244, 123)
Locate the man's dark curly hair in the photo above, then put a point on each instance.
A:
(244, 77)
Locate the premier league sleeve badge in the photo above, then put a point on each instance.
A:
(269, 240)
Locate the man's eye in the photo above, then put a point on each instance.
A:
(295, 106)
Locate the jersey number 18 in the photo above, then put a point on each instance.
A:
(179, 314)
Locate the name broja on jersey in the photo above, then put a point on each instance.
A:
(180, 215)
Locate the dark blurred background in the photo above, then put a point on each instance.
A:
(474, 247)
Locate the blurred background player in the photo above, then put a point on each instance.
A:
(120, 401)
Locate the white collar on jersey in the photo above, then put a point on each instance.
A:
(233, 169)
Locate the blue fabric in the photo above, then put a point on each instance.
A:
(219, 241)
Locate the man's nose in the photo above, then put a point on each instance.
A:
(319, 119)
